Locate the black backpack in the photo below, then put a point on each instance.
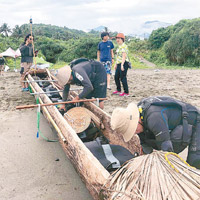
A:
(110, 156)
(145, 103)
(77, 61)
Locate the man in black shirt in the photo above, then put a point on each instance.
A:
(89, 74)
(161, 128)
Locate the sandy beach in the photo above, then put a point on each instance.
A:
(32, 168)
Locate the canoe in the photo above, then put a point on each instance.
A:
(87, 165)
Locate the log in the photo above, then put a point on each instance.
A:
(91, 171)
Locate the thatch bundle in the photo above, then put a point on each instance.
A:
(157, 176)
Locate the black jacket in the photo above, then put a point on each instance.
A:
(26, 53)
(91, 75)
(163, 129)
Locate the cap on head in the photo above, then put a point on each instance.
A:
(125, 121)
(120, 35)
(1, 55)
(104, 34)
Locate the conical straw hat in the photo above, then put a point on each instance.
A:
(63, 75)
(78, 118)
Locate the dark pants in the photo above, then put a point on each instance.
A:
(121, 76)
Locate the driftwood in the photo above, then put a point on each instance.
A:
(91, 171)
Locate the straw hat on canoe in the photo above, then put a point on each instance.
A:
(78, 118)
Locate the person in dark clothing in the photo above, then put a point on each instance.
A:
(2, 63)
(161, 128)
(89, 74)
(26, 50)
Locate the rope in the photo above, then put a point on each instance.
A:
(166, 158)
(38, 124)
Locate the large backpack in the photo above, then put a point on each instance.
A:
(77, 61)
(144, 105)
(110, 156)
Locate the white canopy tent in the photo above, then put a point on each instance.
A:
(12, 53)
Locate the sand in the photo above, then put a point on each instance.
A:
(181, 84)
(31, 168)
(28, 167)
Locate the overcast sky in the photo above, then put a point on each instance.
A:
(119, 15)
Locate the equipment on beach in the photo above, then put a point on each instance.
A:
(110, 156)
(156, 176)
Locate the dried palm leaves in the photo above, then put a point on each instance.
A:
(152, 177)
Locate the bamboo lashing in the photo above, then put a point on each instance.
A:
(57, 103)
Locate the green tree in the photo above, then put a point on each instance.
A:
(159, 37)
(184, 46)
(17, 32)
(5, 29)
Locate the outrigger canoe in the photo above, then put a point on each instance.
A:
(87, 165)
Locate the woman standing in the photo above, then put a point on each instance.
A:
(26, 50)
(121, 66)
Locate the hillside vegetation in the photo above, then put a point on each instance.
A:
(178, 44)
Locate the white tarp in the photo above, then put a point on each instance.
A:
(11, 53)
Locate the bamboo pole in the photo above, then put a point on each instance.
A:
(49, 118)
(57, 103)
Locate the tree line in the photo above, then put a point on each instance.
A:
(178, 44)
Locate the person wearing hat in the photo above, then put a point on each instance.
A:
(105, 55)
(121, 66)
(160, 128)
(2, 63)
(87, 73)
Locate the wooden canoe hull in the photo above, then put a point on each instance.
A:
(89, 168)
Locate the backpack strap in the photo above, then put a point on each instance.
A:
(186, 137)
(109, 156)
